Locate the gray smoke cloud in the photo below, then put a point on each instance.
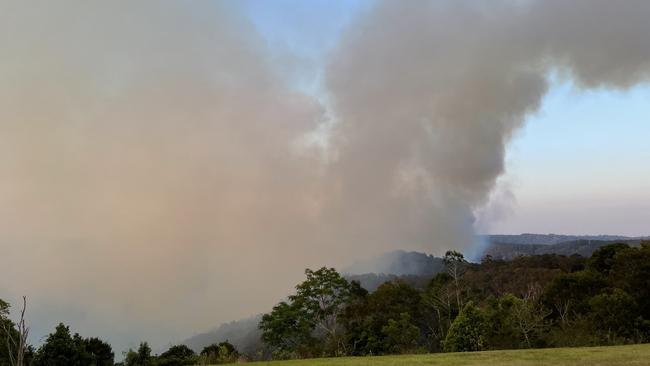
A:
(155, 171)
(429, 93)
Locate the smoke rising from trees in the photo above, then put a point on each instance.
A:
(154, 169)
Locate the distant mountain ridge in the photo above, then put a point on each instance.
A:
(414, 268)
(548, 239)
(507, 247)
(244, 334)
(398, 263)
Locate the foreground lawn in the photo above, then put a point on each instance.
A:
(588, 356)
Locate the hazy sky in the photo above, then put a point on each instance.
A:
(582, 165)
(166, 166)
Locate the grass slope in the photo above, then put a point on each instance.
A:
(587, 356)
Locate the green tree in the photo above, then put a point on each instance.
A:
(603, 258)
(100, 352)
(130, 358)
(614, 312)
(7, 332)
(178, 355)
(144, 354)
(62, 349)
(315, 309)
(354, 318)
(223, 352)
(323, 296)
(631, 273)
(438, 309)
(141, 357)
(502, 328)
(468, 332)
(529, 317)
(388, 302)
(4, 309)
(567, 296)
(401, 335)
(288, 330)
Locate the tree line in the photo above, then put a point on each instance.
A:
(530, 302)
(62, 348)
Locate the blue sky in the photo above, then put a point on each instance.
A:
(305, 30)
(580, 165)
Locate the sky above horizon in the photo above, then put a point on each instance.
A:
(580, 165)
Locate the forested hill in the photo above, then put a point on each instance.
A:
(399, 263)
(416, 269)
(405, 263)
(537, 301)
(548, 239)
(244, 334)
(513, 246)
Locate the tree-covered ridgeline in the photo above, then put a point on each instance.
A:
(530, 302)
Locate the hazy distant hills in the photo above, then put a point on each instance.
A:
(243, 334)
(512, 246)
(412, 267)
(416, 269)
(553, 238)
(399, 263)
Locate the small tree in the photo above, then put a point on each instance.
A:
(141, 357)
(529, 315)
(223, 352)
(62, 349)
(178, 355)
(613, 312)
(130, 358)
(502, 330)
(100, 351)
(468, 331)
(438, 309)
(313, 311)
(287, 330)
(401, 334)
(456, 266)
(603, 258)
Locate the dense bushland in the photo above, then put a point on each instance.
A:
(537, 301)
(529, 302)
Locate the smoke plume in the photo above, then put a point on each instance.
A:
(155, 172)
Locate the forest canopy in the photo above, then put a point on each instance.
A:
(530, 302)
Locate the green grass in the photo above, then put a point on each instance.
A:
(586, 356)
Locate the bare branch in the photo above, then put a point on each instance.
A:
(16, 348)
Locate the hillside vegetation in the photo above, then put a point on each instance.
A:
(417, 269)
(534, 302)
(539, 301)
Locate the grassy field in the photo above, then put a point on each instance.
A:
(591, 356)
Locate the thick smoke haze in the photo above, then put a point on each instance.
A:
(156, 175)
(152, 180)
(429, 94)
